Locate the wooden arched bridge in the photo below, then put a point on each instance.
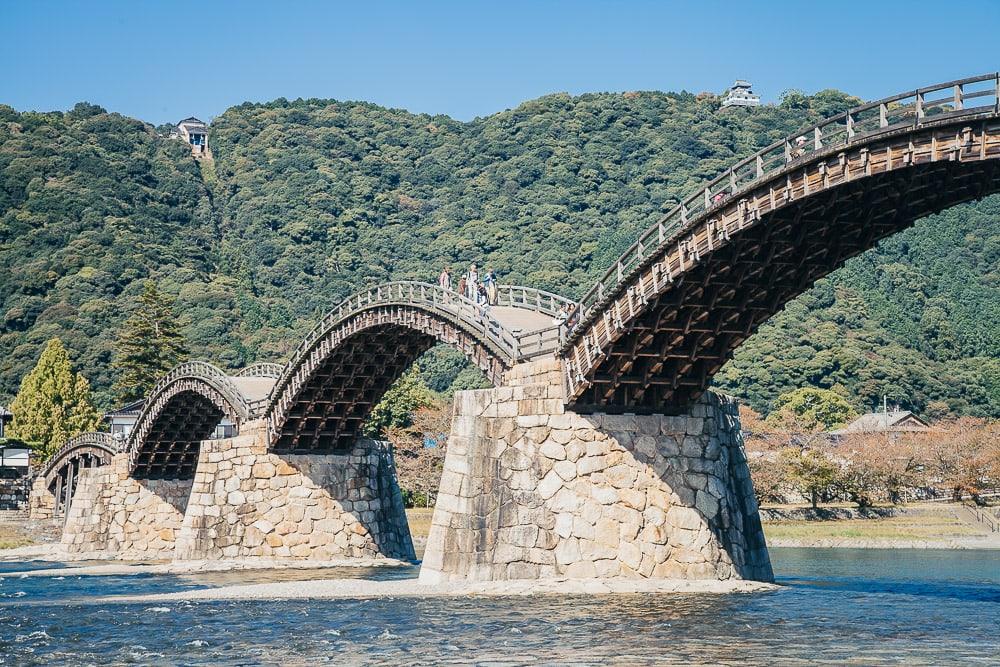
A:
(88, 450)
(319, 401)
(668, 314)
(651, 334)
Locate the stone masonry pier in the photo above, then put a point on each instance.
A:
(532, 490)
(244, 502)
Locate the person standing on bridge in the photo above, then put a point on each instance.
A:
(444, 280)
(490, 282)
(472, 283)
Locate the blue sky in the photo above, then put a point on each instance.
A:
(162, 61)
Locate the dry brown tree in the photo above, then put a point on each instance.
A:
(419, 451)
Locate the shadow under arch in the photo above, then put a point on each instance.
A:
(346, 364)
(183, 409)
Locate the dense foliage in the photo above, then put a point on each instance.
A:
(91, 205)
(53, 403)
(311, 199)
(148, 345)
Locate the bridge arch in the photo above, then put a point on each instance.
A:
(344, 366)
(183, 409)
(60, 474)
(673, 308)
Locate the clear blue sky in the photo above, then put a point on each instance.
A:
(162, 61)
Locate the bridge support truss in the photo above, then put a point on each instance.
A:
(533, 490)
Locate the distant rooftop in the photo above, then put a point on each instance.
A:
(894, 421)
(128, 410)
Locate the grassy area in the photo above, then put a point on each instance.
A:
(918, 523)
(933, 523)
(419, 519)
(12, 537)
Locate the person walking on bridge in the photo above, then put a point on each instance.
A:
(444, 280)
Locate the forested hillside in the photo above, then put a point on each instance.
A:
(316, 198)
(92, 203)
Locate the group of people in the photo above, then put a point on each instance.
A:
(478, 288)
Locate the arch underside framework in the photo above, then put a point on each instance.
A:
(334, 385)
(183, 409)
(88, 450)
(654, 344)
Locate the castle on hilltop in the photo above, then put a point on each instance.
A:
(740, 95)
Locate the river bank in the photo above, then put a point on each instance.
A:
(918, 526)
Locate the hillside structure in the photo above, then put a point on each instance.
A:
(194, 132)
(892, 421)
(740, 95)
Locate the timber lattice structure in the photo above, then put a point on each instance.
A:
(671, 311)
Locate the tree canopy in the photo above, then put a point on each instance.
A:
(53, 404)
(148, 345)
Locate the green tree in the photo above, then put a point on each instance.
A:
(398, 404)
(53, 404)
(148, 345)
(811, 472)
(812, 409)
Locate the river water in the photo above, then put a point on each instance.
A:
(836, 606)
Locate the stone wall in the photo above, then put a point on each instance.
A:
(115, 516)
(530, 490)
(41, 503)
(247, 502)
(14, 493)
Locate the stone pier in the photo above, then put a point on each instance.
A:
(247, 502)
(244, 502)
(41, 501)
(113, 515)
(531, 490)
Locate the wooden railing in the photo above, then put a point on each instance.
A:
(542, 341)
(530, 298)
(98, 439)
(260, 370)
(947, 101)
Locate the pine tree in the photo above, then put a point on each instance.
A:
(53, 404)
(148, 345)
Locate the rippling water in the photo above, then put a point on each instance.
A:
(838, 606)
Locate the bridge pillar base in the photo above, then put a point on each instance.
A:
(250, 503)
(531, 490)
(113, 515)
(41, 501)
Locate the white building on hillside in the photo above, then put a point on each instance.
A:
(195, 133)
(740, 95)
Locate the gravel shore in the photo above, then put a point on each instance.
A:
(199, 566)
(366, 588)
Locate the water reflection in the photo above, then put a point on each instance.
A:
(838, 607)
